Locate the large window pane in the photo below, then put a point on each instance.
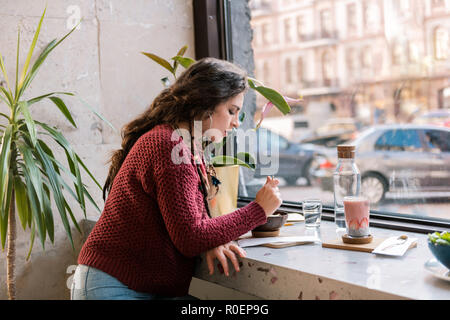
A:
(373, 73)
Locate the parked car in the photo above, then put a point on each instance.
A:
(334, 132)
(294, 160)
(395, 158)
(440, 117)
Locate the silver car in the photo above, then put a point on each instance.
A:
(395, 158)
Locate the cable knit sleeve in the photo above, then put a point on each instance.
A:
(176, 184)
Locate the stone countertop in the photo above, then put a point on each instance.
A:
(312, 272)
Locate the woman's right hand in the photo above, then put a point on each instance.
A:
(269, 197)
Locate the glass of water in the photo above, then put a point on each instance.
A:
(312, 210)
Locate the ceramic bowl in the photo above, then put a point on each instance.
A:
(274, 222)
(441, 253)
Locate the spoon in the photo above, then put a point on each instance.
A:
(400, 240)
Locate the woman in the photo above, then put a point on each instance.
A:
(156, 217)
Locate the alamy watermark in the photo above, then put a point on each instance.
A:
(263, 146)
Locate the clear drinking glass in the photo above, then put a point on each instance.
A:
(312, 210)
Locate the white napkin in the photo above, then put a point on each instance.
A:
(397, 250)
(251, 242)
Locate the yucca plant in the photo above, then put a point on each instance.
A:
(274, 99)
(30, 174)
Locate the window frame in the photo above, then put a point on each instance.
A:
(382, 219)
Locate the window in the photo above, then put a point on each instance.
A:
(399, 140)
(371, 16)
(325, 23)
(288, 70)
(300, 28)
(438, 141)
(300, 75)
(327, 68)
(287, 30)
(351, 19)
(437, 4)
(441, 44)
(382, 81)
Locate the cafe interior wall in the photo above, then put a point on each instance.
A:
(100, 62)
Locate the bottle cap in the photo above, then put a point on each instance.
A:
(346, 151)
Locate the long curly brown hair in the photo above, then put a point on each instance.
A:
(195, 94)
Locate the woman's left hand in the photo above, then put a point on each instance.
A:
(229, 250)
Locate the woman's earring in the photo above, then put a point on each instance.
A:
(210, 121)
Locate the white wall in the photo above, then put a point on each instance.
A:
(101, 62)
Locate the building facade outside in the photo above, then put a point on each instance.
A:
(379, 61)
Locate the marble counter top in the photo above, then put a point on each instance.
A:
(312, 272)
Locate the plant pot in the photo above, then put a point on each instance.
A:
(226, 199)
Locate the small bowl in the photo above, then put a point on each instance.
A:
(441, 253)
(274, 222)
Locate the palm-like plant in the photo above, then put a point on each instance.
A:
(29, 172)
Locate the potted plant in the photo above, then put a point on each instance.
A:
(227, 167)
(30, 175)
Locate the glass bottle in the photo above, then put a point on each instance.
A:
(346, 182)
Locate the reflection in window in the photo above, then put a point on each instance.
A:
(399, 140)
(288, 70)
(300, 28)
(326, 23)
(266, 33)
(351, 18)
(366, 57)
(300, 74)
(266, 73)
(327, 68)
(438, 141)
(398, 54)
(371, 15)
(441, 43)
(287, 30)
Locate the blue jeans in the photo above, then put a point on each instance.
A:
(92, 284)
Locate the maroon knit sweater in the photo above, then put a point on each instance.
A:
(154, 222)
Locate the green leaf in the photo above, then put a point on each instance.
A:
(37, 99)
(71, 159)
(47, 213)
(22, 206)
(227, 161)
(32, 236)
(17, 59)
(5, 74)
(180, 53)
(3, 228)
(55, 183)
(273, 96)
(162, 62)
(23, 106)
(184, 61)
(8, 97)
(5, 156)
(5, 207)
(35, 205)
(62, 107)
(40, 60)
(30, 52)
(87, 171)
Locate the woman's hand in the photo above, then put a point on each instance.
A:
(269, 197)
(221, 253)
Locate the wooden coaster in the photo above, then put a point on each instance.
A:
(360, 240)
(263, 234)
